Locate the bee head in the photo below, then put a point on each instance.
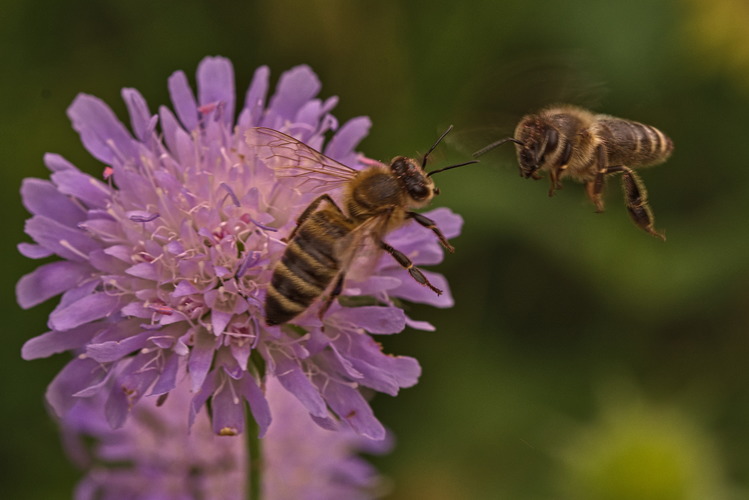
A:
(413, 179)
(535, 139)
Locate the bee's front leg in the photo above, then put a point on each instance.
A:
(430, 224)
(594, 187)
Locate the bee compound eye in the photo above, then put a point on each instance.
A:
(526, 157)
(552, 139)
(419, 192)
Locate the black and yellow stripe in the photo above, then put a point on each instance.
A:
(307, 267)
(633, 143)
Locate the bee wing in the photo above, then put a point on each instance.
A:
(293, 159)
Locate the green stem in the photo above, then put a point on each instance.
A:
(254, 459)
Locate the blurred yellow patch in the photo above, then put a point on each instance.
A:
(717, 31)
(636, 450)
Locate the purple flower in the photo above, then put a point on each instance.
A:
(155, 456)
(165, 262)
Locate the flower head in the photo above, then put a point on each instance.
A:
(165, 261)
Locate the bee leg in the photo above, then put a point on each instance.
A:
(636, 198)
(406, 263)
(334, 293)
(430, 224)
(594, 187)
(311, 208)
(556, 173)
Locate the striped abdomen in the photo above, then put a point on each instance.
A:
(308, 265)
(633, 144)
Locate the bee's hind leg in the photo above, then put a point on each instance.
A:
(636, 199)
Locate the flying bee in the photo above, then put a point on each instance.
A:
(327, 237)
(568, 141)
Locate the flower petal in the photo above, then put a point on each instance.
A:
(296, 382)
(380, 371)
(34, 251)
(201, 357)
(57, 163)
(129, 387)
(228, 410)
(216, 85)
(68, 243)
(101, 132)
(145, 270)
(113, 350)
(295, 88)
(341, 145)
(85, 310)
(374, 319)
(74, 377)
(349, 404)
(168, 378)
(254, 102)
(258, 404)
(54, 342)
(141, 119)
(89, 190)
(41, 197)
(183, 100)
(49, 280)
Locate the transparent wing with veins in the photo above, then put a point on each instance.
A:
(291, 158)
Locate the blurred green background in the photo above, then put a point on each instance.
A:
(583, 359)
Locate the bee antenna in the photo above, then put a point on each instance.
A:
(424, 160)
(493, 145)
(429, 174)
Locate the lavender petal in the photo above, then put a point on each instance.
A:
(183, 100)
(93, 192)
(216, 85)
(43, 198)
(68, 243)
(49, 280)
(258, 404)
(201, 357)
(342, 144)
(228, 410)
(374, 319)
(349, 404)
(101, 132)
(255, 98)
(295, 88)
(294, 380)
(54, 342)
(75, 376)
(140, 117)
(57, 163)
(85, 310)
